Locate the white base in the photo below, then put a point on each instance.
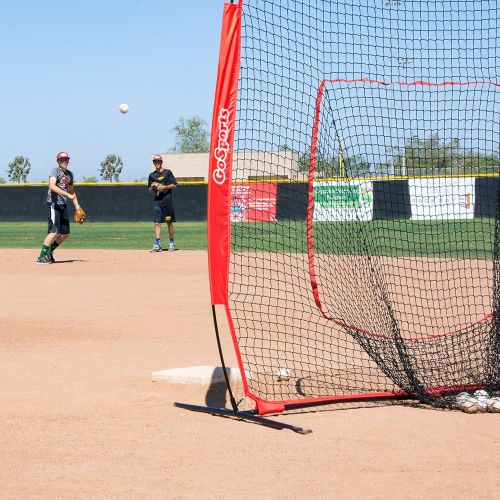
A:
(203, 375)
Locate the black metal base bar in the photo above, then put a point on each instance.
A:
(243, 415)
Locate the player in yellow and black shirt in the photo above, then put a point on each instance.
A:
(161, 182)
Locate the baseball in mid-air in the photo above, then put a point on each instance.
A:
(123, 108)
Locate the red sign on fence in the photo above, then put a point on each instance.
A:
(253, 202)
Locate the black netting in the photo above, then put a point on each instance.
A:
(368, 123)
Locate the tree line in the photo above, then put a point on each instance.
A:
(191, 136)
(416, 158)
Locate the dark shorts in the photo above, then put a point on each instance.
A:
(163, 214)
(58, 219)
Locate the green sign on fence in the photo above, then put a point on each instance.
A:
(338, 196)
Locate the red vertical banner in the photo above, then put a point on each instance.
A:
(221, 154)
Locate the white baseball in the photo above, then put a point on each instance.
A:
(482, 398)
(283, 374)
(468, 405)
(123, 108)
(494, 405)
(480, 393)
(463, 396)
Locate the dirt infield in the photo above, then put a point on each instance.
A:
(81, 417)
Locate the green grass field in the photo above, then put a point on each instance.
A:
(105, 235)
(444, 238)
(440, 238)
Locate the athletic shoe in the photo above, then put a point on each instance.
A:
(171, 247)
(52, 260)
(44, 260)
(157, 248)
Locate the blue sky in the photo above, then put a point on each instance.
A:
(67, 66)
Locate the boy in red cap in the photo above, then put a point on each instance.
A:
(161, 182)
(60, 189)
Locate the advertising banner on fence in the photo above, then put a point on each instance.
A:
(442, 198)
(253, 202)
(343, 200)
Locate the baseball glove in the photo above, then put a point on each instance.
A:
(154, 186)
(80, 216)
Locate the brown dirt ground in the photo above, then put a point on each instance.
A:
(80, 416)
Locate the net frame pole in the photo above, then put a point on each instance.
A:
(245, 416)
(219, 231)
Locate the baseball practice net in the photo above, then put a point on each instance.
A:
(349, 242)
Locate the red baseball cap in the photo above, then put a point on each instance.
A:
(157, 158)
(62, 155)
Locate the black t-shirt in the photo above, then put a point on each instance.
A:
(165, 177)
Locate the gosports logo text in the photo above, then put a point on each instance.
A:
(221, 152)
